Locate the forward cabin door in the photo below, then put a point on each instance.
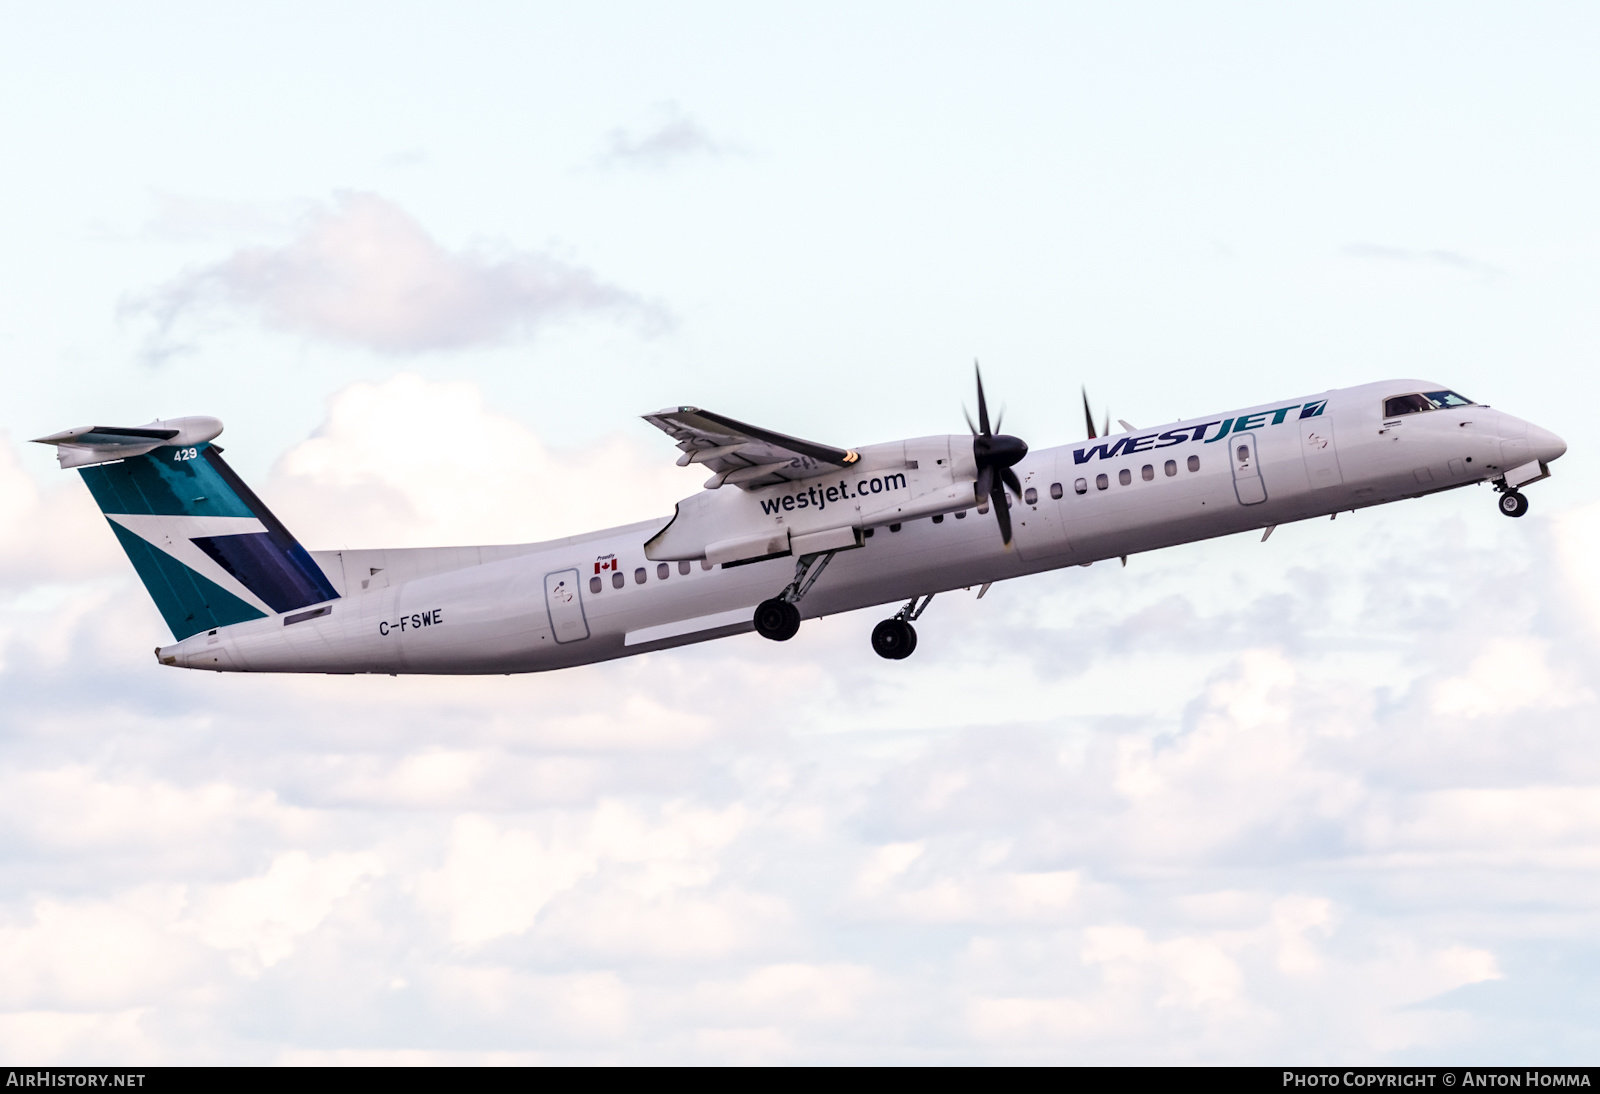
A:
(1320, 452)
(1247, 482)
(565, 605)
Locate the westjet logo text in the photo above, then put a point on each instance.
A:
(1128, 445)
(819, 497)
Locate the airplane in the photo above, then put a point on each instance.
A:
(785, 529)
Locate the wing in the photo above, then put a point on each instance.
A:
(744, 455)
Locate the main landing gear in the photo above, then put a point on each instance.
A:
(896, 639)
(779, 618)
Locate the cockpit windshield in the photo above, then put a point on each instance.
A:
(1425, 400)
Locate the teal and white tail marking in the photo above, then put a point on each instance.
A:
(205, 546)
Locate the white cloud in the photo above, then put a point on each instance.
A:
(94, 955)
(461, 474)
(1511, 674)
(259, 918)
(1437, 257)
(79, 1038)
(1577, 535)
(495, 883)
(364, 272)
(53, 534)
(1228, 836)
(671, 138)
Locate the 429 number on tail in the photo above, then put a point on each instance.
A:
(186, 454)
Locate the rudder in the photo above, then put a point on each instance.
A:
(208, 550)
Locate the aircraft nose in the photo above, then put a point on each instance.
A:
(1545, 444)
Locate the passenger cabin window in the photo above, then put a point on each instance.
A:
(1081, 486)
(1147, 473)
(1056, 491)
(594, 584)
(1100, 482)
(662, 570)
(1124, 476)
(938, 518)
(639, 576)
(1171, 468)
(1030, 496)
(683, 568)
(617, 580)
(1194, 463)
(706, 564)
(1244, 453)
(1421, 401)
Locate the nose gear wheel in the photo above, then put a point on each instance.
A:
(1513, 503)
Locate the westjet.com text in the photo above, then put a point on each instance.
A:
(819, 497)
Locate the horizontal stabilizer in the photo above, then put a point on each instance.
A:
(91, 444)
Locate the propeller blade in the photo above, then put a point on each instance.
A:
(995, 454)
(983, 406)
(1088, 417)
(999, 418)
(1105, 430)
(968, 417)
(985, 483)
(1002, 513)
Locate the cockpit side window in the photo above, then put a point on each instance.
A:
(1405, 404)
(1415, 404)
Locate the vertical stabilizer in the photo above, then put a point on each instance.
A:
(205, 546)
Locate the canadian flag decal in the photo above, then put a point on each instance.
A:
(606, 562)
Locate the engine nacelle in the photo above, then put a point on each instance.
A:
(890, 483)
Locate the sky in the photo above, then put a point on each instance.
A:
(1334, 798)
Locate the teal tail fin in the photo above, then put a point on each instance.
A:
(205, 546)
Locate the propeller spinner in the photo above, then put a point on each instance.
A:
(995, 454)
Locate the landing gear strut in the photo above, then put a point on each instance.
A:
(779, 618)
(896, 639)
(1512, 503)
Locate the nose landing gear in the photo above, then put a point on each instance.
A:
(1513, 503)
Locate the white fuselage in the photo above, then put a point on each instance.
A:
(532, 607)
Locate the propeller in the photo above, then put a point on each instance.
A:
(1088, 417)
(995, 454)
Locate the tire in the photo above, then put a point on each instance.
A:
(777, 619)
(894, 639)
(1513, 504)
